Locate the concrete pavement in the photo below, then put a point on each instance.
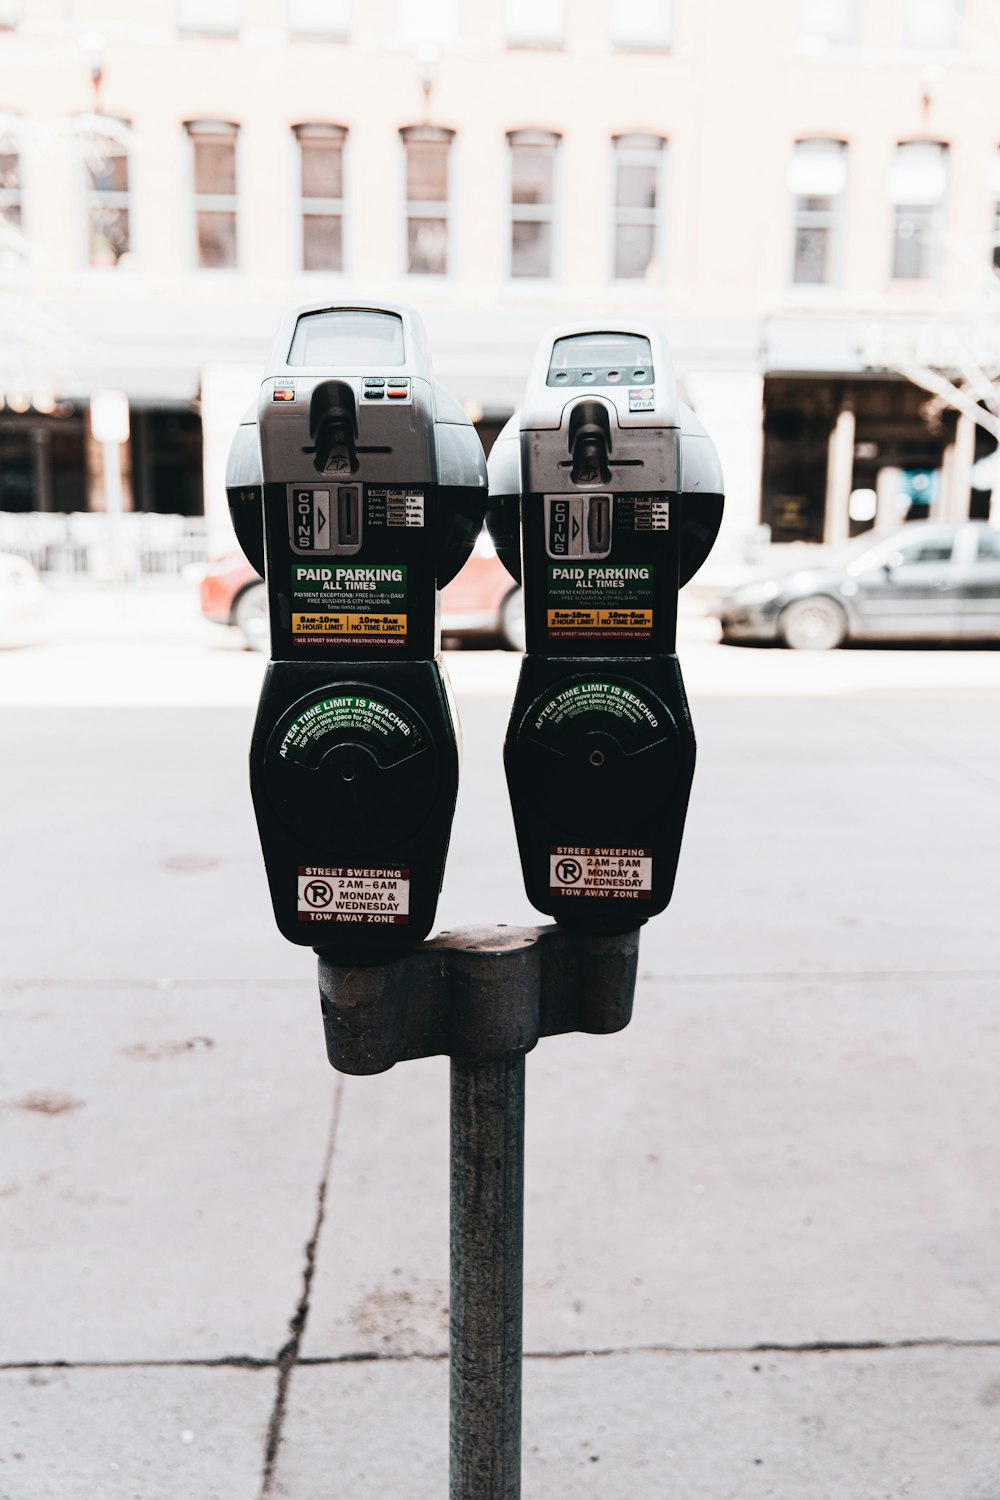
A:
(793, 1145)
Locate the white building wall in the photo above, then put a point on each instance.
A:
(730, 97)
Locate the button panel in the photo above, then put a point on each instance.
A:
(380, 387)
(607, 375)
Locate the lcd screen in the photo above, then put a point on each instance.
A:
(344, 336)
(601, 351)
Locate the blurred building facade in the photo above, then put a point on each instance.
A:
(806, 196)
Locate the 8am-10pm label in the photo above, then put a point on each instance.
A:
(349, 603)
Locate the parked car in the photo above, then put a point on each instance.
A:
(482, 602)
(24, 612)
(232, 593)
(926, 581)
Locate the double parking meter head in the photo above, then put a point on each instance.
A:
(357, 487)
(605, 497)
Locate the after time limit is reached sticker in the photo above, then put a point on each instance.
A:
(372, 897)
(622, 874)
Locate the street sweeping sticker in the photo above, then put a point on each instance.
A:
(372, 897)
(302, 740)
(622, 874)
(348, 604)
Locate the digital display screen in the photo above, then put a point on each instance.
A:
(601, 351)
(345, 336)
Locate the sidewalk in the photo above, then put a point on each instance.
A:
(761, 1223)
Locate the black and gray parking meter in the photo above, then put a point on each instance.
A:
(605, 497)
(357, 488)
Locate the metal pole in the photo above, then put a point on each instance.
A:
(487, 1256)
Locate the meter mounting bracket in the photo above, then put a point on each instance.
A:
(479, 994)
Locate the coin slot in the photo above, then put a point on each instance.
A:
(599, 525)
(348, 516)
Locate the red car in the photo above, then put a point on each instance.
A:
(483, 601)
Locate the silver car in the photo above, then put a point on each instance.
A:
(926, 581)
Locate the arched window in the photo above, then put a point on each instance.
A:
(215, 199)
(11, 191)
(428, 149)
(918, 183)
(104, 143)
(638, 193)
(932, 24)
(535, 23)
(321, 195)
(817, 183)
(641, 23)
(827, 23)
(532, 201)
(319, 18)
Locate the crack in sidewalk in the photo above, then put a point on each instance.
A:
(288, 1354)
(288, 1357)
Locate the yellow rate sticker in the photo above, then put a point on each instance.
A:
(560, 619)
(608, 619)
(626, 619)
(344, 624)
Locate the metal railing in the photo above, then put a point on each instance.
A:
(84, 543)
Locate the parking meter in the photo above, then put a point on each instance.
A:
(606, 496)
(357, 487)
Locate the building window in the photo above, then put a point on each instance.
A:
(321, 192)
(931, 23)
(106, 182)
(641, 23)
(213, 145)
(917, 185)
(532, 199)
(11, 239)
(427, 149)
(535, 23)
(817, 180)
(321, 18)
(211, 17)
(431, 23)
(638, 173)
(827, 23)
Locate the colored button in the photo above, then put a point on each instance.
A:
(638, 374)
(394, 393)
(374, 395)
(613, 376)
(373, 380)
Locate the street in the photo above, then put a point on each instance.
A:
(761, 1223)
